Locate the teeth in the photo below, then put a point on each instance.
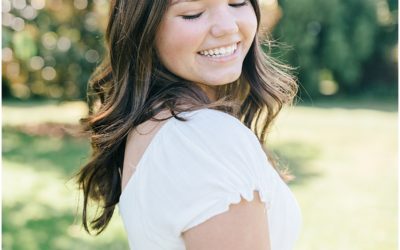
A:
(219, 52)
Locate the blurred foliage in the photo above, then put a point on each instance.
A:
(50, 47)
(341, 46)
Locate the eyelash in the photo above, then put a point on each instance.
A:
(235, 5)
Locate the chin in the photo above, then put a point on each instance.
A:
(222, 80)
(218, 82)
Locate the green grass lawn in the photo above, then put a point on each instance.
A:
(342, 154)
(346, 163)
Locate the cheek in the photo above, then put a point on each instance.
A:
(248, 23)
(177, 39)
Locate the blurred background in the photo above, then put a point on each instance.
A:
(339, 140)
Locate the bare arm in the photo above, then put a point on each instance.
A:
(243, 227)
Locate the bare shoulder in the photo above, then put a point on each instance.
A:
(137, 142)
(150, 125)
(141, 135)
(243, 227)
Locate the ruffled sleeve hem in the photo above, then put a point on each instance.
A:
(224, 204)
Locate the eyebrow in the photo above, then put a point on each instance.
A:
(181, 1)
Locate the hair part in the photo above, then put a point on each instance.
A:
(132, 86)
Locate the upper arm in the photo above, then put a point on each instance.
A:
(243, 227)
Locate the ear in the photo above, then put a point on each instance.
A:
(271, 13)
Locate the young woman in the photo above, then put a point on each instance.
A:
(180, 110)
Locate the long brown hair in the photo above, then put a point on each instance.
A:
(131, 86)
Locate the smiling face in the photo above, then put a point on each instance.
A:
(206, 41)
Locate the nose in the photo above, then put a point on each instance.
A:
(225, 23)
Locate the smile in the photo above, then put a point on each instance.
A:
(220, 52)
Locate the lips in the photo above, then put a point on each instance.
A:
(221, 58)
(220, 51)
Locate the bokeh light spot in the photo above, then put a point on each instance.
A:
(64, 43)
(49, 73)
(18, 24)
(7, 19)
(36, 63)
(92, 56)
(29, 12)
(49, 40)
(38, 4)
(80, 4)
(91, 21)
(7, 54)
(383, 12)
(19, 4)
(328, 87)
(5, 6)
(20, 90)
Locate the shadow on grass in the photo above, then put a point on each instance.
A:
(47, 230)
(297, 158)
(34, 223)
(61, 154)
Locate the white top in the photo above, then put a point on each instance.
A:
(192, 171)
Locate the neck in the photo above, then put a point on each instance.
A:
(210, 91)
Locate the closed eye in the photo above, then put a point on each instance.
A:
(234, 5)
(237, 5)
(191, 17)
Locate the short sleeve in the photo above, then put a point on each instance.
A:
(208, 162)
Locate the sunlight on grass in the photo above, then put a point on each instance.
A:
(20, 114)
(344, 160)
(352, 201)
(40, 212)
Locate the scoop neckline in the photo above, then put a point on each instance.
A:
(149, 148)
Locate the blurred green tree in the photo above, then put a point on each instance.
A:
(51, 47)
(338, 45)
